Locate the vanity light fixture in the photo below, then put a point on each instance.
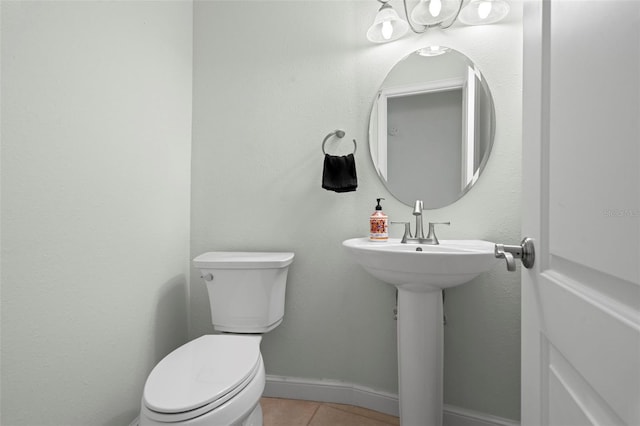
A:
(388, 26)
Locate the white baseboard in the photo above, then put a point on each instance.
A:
(456, 416)
(331, 391)
(348, 393)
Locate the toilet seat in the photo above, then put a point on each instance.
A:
(200, 376)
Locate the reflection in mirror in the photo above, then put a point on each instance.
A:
(431, 127)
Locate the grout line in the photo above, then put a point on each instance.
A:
(341, 408)
(365, 412)
(345, 410)
(338, 407)
(314, 414)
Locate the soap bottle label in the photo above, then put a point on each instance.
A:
(379, 227)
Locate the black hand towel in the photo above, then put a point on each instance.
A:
(339, 173)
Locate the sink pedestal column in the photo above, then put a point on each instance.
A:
(420, 359)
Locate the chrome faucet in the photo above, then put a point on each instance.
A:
(418, 237)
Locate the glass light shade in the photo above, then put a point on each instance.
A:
(387, 26)
(481, 12)
(434, 12)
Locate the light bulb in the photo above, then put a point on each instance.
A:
(482, 12)
(434, 12)
(484, 9)
(387, 26)
(386, 30)
(435, 6)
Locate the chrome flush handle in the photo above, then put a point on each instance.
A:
(525, 252)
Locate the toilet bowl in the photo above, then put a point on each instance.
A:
(217, 380)
(212, 380)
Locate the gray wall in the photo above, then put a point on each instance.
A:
(271, 79)
(96, 136)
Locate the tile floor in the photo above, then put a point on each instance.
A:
(292, 412)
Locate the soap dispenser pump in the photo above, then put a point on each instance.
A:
(379, 224)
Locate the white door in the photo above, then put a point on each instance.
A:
(581, 205)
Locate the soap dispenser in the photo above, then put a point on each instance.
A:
(379, 224)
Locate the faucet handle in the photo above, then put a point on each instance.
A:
(432, 231)
(407, 230)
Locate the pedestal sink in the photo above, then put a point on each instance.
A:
(420, 272)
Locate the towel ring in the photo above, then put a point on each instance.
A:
(340, 134)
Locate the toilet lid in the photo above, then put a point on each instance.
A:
(201, 372)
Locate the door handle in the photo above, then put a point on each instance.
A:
(525, 252)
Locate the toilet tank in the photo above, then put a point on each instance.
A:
(246, 289)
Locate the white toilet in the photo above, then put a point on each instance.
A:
(217, 380)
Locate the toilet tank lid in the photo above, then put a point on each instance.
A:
(243, 260)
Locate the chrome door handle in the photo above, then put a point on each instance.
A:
(525, 252)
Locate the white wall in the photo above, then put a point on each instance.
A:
(271, 79)
(96, 130)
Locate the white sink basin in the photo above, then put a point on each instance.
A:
(423, 267)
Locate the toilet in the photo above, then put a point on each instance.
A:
(218, 379)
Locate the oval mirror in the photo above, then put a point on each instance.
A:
(431, 127)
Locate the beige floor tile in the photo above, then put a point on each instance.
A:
(386, 418)
(287, 412)
(329, 416)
